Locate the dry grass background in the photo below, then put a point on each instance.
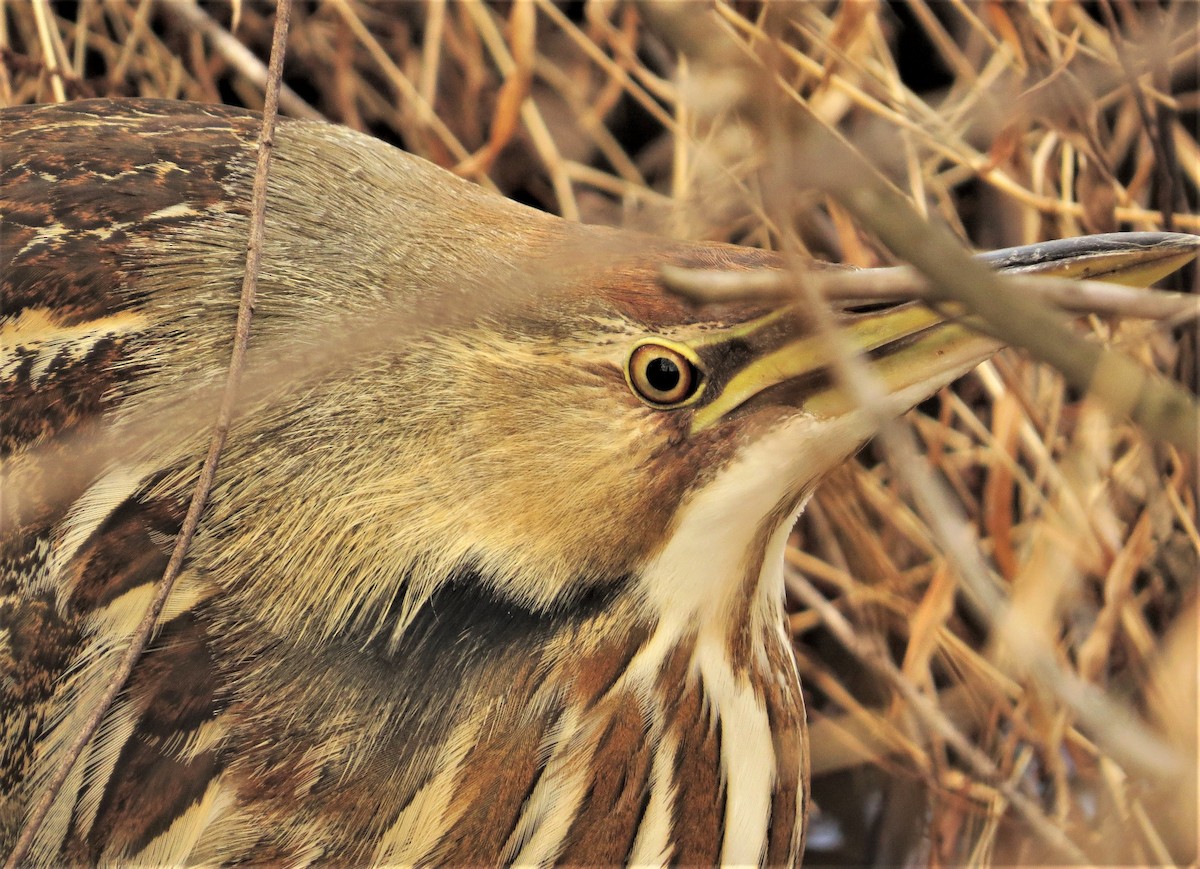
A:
(1060, 727)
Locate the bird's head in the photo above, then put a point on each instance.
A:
(611, 433)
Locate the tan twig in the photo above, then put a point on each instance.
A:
(404, 86)
(943, 139)
(531, 116)
(870, 654)
(238, 55)
(703, 286)
(136, 33)
(50, 56)
(1015, 316)
(606, 63)
(1012, 315)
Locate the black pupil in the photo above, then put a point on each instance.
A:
(663, 374)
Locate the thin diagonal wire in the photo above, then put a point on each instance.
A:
(208, 471)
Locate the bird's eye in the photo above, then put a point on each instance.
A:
(663, 376)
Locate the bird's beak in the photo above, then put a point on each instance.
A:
(1135, 259)
(912, 349)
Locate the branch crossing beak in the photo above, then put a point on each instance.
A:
(915, 350)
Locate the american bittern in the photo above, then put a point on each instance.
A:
(492, 568)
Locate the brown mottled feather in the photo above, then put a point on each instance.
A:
(790, 795)
(152, 786)
(700, 798)
(604, 829)
(505, 763)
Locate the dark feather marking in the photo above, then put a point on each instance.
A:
(467, 646)
(596, 672)
(500, 772)
(723, 810)
(699, 808)
(45, 634)
(121, 554)
(102, 188)
(785, 713)
(642, 808)
(70, 391)
(673, 676)
(72, 200)
(78, 183)
(542, 764)
(606, 826)
(468, 628)
(39, 645)
(151, 786)
(592, 677)
(467, 633)
(740, 638)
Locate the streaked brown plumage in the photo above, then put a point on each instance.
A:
(461, 594)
